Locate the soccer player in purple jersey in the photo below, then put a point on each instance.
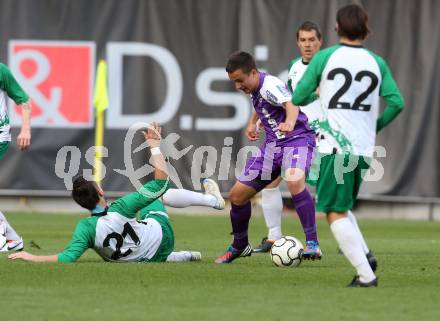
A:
(288, 147)
(309, 40)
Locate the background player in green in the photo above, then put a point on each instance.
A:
(350, 79)
(114, 232)
(9, 87)
(308, 40)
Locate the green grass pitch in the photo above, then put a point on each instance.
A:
(249, 289)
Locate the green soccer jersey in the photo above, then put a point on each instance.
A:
(312, 109)
(8, 88)
(350, 80)
(119, 235)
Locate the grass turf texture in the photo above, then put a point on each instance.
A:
(249, 289)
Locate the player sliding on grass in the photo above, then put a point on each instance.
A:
(350, 79)
(115, 233)
(173, 197)
(289, 147)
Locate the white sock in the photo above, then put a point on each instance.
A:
(11, 235)
(349, 243)
(182, 256)
(272, 204)
(353, 221)
(184, 198)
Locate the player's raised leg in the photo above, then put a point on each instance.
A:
(180, 198)
(239, 196)
(212, 189)
(13, 241)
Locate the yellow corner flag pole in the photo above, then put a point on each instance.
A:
(101, 103)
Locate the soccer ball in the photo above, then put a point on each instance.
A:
(287, 252)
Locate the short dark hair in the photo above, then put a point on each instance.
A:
(84, 193)
(352, 22)
(309, 26)
(241, 60)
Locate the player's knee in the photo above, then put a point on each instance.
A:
(236, 197)
(295, 186)
(295, 179)
(334, 216)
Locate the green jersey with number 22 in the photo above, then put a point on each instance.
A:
(350, 80)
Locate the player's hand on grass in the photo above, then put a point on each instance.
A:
(23, 255)
(24, 139)
(285, 127)
(153, 135)
(252, 132)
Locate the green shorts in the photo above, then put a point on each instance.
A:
(3, 149)
(157, 211)
(313, 174)
(337, 187)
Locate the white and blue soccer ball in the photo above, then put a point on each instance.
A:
(287, 252)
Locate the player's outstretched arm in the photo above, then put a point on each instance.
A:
(25, 256)
(132, 203)
(82, 239)
(152, 136)
(24, 138)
